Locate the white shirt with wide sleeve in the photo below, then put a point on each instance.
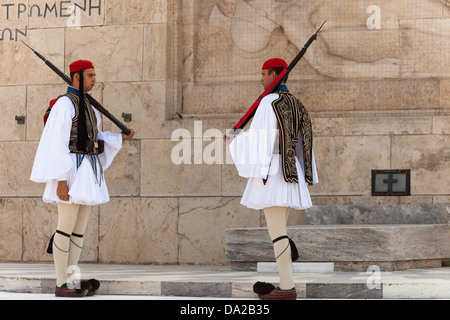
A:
(54, 162)
(252, 153)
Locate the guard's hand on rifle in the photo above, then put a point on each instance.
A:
(130, 136)
(228, 137)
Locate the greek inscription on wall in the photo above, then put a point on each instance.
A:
(71, 11)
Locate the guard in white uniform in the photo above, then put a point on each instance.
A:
(71, 158)
(276, 156)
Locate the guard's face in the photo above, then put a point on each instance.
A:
(89, 79)
(267, 78)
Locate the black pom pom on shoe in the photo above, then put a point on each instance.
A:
(85, 285)
(94, 283)
(263, 287)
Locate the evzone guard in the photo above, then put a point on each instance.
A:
(71, 159)
(277, 157)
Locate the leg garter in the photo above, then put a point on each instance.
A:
(50, 244)
(294, 251)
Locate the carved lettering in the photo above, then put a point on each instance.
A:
(99, 7)
(22, 8)
(47, 8)
(3, 34)
(65, 9)
(38, 10)
(7, 5)
(11, 37)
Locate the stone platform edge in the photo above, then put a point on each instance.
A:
(206, 282)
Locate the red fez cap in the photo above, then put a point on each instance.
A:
(80, 65)
(274, 63)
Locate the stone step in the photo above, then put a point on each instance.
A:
(298, 267)
(349, 247)
(378, 214)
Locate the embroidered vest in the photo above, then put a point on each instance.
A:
(91, 125)
(292, 117)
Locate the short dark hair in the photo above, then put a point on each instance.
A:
(278, 71)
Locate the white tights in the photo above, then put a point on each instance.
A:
(276, 219)
(72, 220)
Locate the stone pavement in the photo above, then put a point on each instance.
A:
(220, 281)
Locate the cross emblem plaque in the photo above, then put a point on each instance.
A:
(391, 182)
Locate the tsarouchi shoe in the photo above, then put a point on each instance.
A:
(72, 292)
(279, 294)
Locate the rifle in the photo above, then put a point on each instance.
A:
(278, 80)
(92, 101)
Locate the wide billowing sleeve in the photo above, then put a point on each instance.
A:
(113, 144)
(252, 150)
(52, 160)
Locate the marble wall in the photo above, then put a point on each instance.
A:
(379, 98)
